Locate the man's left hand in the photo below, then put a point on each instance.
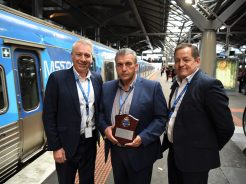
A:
(136, 142)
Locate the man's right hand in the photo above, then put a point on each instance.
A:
(59, 156)
(109, 134)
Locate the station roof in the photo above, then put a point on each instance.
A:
(143, 24)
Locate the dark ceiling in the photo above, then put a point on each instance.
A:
(139, 24)
(234, 33)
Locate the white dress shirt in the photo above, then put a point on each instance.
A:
(84, 117)
(179, 89)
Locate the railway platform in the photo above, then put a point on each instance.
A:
(231, 171)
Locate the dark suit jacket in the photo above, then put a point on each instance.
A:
(149, 106)
(203, 125)
(61, 111)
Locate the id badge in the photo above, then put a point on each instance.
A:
(88, 132)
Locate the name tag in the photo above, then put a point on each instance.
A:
(88, 132)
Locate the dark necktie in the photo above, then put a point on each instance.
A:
(173, 88)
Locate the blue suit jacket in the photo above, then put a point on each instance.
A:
(61, 111)
(149, 106)
(203, 125)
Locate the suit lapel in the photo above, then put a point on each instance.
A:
(189, 90)
(72, 88)
(96, 87)
(136, 97)
(111, 93)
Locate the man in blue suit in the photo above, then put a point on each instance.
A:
(143, 99)
(200, 121)
(71, 108)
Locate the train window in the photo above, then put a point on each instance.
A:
(28, 82)
(3, 94)
(109, 71)
(93, 64)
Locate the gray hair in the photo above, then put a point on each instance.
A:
(126, 51)
(83, 41)
(194, 49)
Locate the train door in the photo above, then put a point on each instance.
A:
(29, 99)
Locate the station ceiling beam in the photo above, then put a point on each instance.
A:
(140, 22)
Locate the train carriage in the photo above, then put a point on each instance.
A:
(31, 49)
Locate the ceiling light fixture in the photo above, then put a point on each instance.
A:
(191, 2)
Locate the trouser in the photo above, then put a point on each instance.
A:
(83, 162)
(123, 171)
(176, 176)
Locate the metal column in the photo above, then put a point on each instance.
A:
(37, 8)
(97, 34)
(208, 52)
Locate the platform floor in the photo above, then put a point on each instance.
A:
(233, 160)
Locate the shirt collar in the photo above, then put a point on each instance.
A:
(120, 85)
(187, 79)
(77, 76)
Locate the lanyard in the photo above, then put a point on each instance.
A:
(177, 99)
(121, 100)
(84, 95)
